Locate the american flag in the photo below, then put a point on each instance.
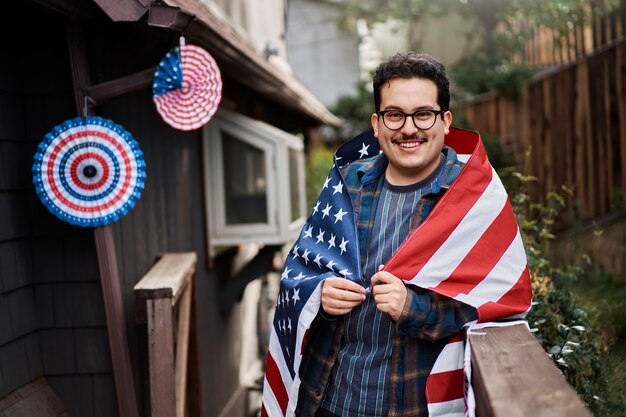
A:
(469, 248)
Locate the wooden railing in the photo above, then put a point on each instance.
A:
(512, 376)
(168, 290)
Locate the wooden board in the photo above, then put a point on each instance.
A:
(512, 376)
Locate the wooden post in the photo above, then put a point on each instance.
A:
(168, 291)
(105, 249)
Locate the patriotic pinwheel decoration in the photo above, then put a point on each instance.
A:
(187, 87)
(89, 171)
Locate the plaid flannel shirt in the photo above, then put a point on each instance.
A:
(426, 324)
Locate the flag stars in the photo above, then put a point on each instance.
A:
(345, 273)
(316, 208)
(338, 188)
(308, 232)
(320, 236)
(330, 264)
(363, 152)
(326, 210)
(295, 252)
(318, 260)
(343, 244)
(326, 182)
(331, 241)
(339, 215)
(296, 296)
(285, 274)
(305, 256)
(299, 276)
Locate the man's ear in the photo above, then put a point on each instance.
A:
(447, 122)
(374, 121)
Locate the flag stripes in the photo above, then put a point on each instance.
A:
(484, 255)
(439, 227)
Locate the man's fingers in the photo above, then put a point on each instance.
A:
(384, 277)
(344, 284)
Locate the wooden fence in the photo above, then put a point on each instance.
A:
(512, 376)
(168, 293)
(603, 22)
(573, 119)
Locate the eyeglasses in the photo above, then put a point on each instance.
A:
(423, 119)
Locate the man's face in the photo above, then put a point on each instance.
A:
(412, 153)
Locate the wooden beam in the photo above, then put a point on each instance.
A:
(168, 277)
(105, 249)
(102, 92)
(512, 376)
(123, 10)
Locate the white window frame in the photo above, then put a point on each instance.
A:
(275, 144)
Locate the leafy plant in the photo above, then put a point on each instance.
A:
(319, 161)
(569, 333)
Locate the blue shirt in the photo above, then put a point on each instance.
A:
(359, 380)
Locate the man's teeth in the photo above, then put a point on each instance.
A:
(409, 144)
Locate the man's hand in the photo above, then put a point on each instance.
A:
(389, 293)
(340, 296)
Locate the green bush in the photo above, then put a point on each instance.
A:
(318, 163)
(569, 332)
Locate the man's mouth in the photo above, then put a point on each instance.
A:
(408, 143)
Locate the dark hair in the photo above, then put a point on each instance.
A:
(410, 65)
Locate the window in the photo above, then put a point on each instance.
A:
(254, 185)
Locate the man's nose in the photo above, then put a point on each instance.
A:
(409, 127)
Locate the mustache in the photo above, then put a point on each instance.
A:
(405, 138)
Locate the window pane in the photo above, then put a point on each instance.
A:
(294, 184)
(245, 182)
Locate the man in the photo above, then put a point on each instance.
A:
(390, 336)
(371, 305)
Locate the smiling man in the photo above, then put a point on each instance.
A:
(371, 347)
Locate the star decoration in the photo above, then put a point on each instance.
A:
(296, 296)
(331, 241)
(315, 209)
(305, 256)
(320, 237)
(318, 260)
(330, 264)
(343, 244)
(339, 215)
(308, 232)
(363, 150)
(326, 182)
(338, 188)
(285, 274)
(295, 251)
(326, 210)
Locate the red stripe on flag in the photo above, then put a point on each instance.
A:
(263, 411)
(445, 386)
(457, 338)
(515, 301)
(421, 245)
(483, 257)
(275, 380)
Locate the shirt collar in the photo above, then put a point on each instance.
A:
(375, 168)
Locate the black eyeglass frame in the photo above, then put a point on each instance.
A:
(406, 115)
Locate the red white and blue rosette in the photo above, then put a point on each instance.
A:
(187, 87)
(89, 171)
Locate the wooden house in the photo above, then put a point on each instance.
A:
(230, 192)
